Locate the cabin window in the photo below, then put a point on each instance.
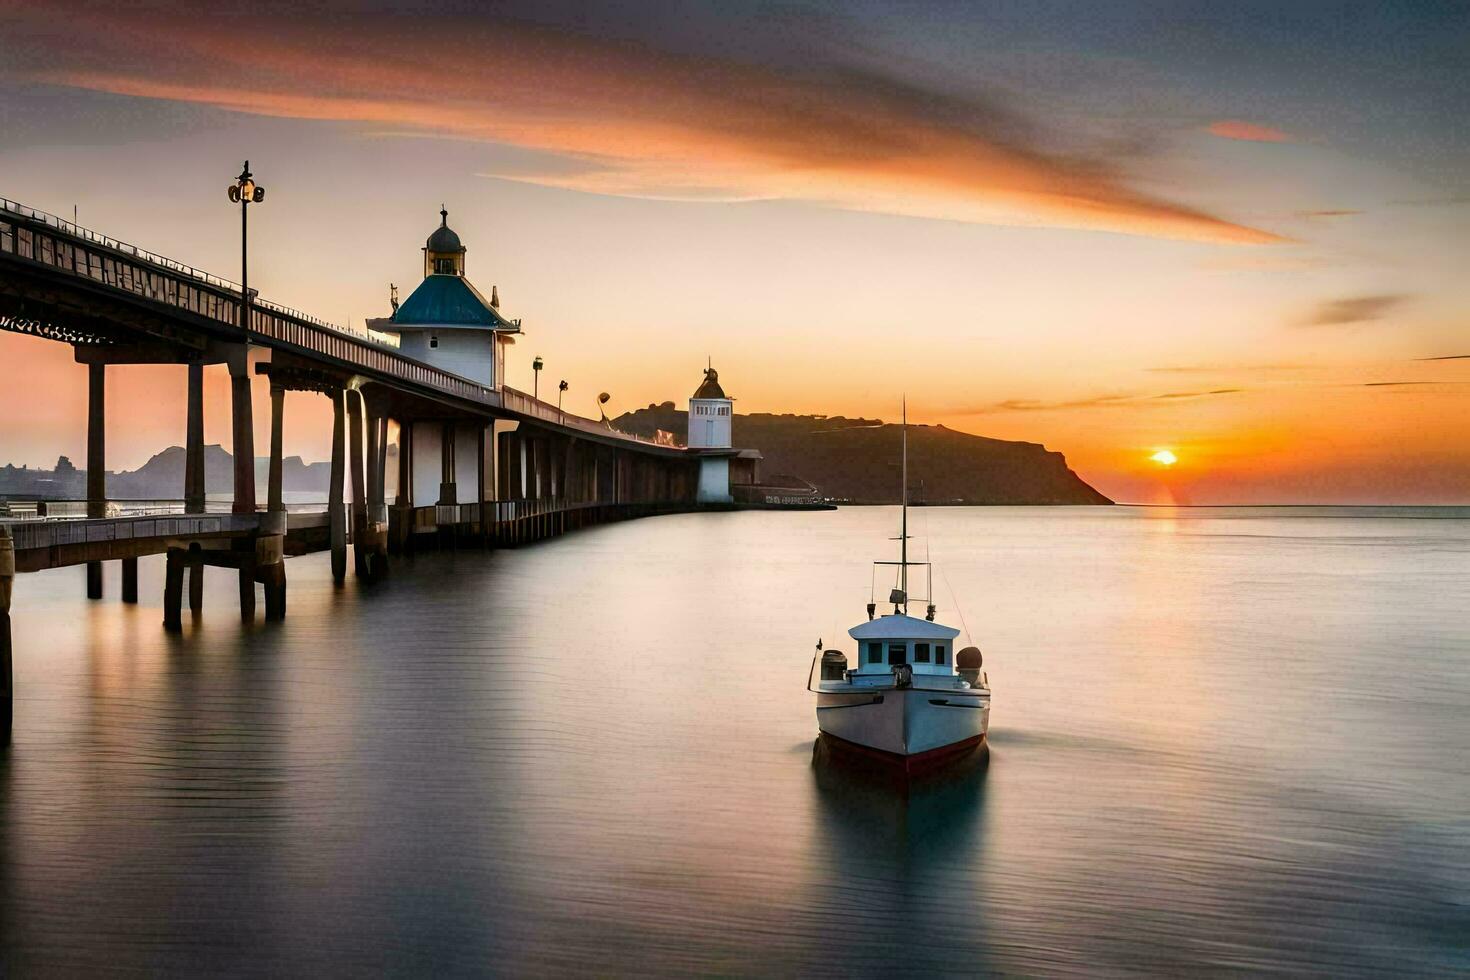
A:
(433, 341)
(898, 653)
(921, 653)
(939, 654)
(875, 653)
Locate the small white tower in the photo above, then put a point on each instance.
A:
(709, 414)
(709, 435)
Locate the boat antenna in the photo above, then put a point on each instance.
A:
(903, 528)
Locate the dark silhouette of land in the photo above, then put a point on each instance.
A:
(162, 477)
(857, 459)
(845, 459)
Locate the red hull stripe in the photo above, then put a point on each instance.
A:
(910, 763)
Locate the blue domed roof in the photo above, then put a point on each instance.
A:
(444, 239)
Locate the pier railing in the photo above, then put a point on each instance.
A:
(65, 246)
(37, 509)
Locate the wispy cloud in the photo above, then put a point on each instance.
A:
(1353, 309)
(1237, 129)
(641, 120)
(1339, 213)
(1096, 401)
(1446, 357)
(1223, 368)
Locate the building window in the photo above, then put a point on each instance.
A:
(921, 653)
(444, 267)
(898, 653)
(433, 340)
(939, 654)
(875, 653)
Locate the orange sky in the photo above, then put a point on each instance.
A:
(1033, 235)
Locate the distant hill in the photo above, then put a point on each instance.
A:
(163, 474)
(857, 459)
(162, 477)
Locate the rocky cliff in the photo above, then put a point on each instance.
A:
(857, 459)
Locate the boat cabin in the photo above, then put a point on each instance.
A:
(897, 638)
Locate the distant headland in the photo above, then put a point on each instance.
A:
(849, 459)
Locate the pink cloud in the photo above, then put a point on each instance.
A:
(642, 121)
(1236, 129)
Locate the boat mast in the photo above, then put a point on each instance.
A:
(903, 527)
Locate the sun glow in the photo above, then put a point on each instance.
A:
(1164, 458)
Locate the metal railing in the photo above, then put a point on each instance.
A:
(518, 401)
(36, 509)
(119, 265)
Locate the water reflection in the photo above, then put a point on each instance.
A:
(899, 862)
(1240, 744)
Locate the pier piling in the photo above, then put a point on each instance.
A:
(7, 582)
(96, 462)
(130, 580)
(173, 590)
(335, 514)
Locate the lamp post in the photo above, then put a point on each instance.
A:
(536, 366)
(247, 192)
(561, 389)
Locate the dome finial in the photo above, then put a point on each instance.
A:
(443, 216)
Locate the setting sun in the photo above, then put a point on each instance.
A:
(1164, 458)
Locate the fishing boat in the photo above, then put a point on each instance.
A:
(911, 699)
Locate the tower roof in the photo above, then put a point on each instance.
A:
(449, 301)
(710, 388)
(443, 239)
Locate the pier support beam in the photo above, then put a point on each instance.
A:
(173, 590)
(336, 516)
(402, 520)
(274, 490)
(7, 682)
(447, 491)
(194, 471)
(359, 482)
(370, 535)
(271, 545)
(194, 443)
(130, 580)
(244, 432)
(96, 462)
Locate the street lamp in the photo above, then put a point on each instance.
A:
(536, 366)
(245, 191)
(561, 389)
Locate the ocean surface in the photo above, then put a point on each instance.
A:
(1223, 740)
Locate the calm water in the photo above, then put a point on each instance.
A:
(1223, 740)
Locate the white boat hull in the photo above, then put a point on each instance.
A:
(904, 722)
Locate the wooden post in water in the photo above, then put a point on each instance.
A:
(7, 683)
(96, 462)
(173, 590)
(194, 471)
(337, 518)
(130, 580)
